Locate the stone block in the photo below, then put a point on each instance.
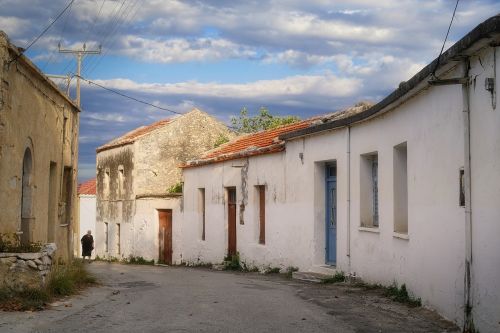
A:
(38, 262)
(31, 264)
(46, 260)
(49, 248)
(29, 256)
(8, 260)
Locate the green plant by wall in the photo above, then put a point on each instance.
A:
(10, 242)
(401, 295)
(138, 261)
(221, 139)
(232, 263)
(177, 188)
(338, 277)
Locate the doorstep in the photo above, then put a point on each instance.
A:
(316, 274)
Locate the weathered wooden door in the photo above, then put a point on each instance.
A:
(165, 236)
(331, 214)
(231, 221)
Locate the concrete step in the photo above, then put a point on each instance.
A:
(310, 276)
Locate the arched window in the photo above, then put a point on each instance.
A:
(27, 197)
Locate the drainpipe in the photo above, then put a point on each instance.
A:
(468, 321)
(349, 196)
(465, 82)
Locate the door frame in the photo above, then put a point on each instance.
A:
(164, 255)
(328, 180)
(230, 225)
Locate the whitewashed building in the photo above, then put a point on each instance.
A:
(86, 213)
(406, 191)
(138, 185)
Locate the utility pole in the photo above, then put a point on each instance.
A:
(79, 56)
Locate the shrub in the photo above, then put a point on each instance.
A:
(177, 188)
(338, 277)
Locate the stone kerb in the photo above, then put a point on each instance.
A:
(26, 270)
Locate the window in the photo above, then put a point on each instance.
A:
(369, 190)
(462, 187)
(261, 197)
(67, 193)
(106, 238)
(202, 211)
(121, 179)
(400, 189)
(106, 179)
(118, 240)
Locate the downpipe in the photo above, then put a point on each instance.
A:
(468, 317)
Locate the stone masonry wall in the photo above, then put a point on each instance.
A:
(26, 270)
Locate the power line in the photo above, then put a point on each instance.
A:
(60, 39)
(127, 96)
(445, 39)
(43, 32)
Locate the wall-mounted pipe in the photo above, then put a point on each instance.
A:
(468, 321)
(349, 195)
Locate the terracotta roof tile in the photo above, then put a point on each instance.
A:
(87, 187)
(264, 142)
(131, 136)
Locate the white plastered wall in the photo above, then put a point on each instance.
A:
(87, 218)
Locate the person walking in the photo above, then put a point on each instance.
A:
(87, 245)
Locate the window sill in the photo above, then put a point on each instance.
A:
(64, 225)
(374, 230)
(401, 236)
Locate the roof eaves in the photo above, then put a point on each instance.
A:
(275, 148)
(483, 30)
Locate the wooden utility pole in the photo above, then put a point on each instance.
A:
(79, 56)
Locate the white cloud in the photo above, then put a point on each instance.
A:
(182, 50)
(293, 86)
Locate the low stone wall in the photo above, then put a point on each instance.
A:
(26, 270)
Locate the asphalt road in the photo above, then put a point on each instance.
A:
(178, 299)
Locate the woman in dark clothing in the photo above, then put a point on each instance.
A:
(87, 245)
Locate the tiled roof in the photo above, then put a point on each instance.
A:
(87, 187)
(269, 141)
(264, 142)
(131, 136)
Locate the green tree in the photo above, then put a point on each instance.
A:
(262, 121)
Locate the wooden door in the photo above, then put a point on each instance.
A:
(165, 237)
(231, 221)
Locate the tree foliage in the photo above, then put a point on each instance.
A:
(262, 121)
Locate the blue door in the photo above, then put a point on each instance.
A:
(331, 214)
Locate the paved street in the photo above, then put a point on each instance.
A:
(177, 299)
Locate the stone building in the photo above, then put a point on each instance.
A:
(38, 153)
(138, 183)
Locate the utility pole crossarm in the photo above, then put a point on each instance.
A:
(79, 56)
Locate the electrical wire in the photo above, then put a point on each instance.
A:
(126, 96)
(49, 61)
(126, 17)
(445, 39)
(43, 32)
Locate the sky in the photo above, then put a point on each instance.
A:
(294, 57)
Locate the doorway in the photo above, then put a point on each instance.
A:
(331, 214)
(231, 221)
(165, 236)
